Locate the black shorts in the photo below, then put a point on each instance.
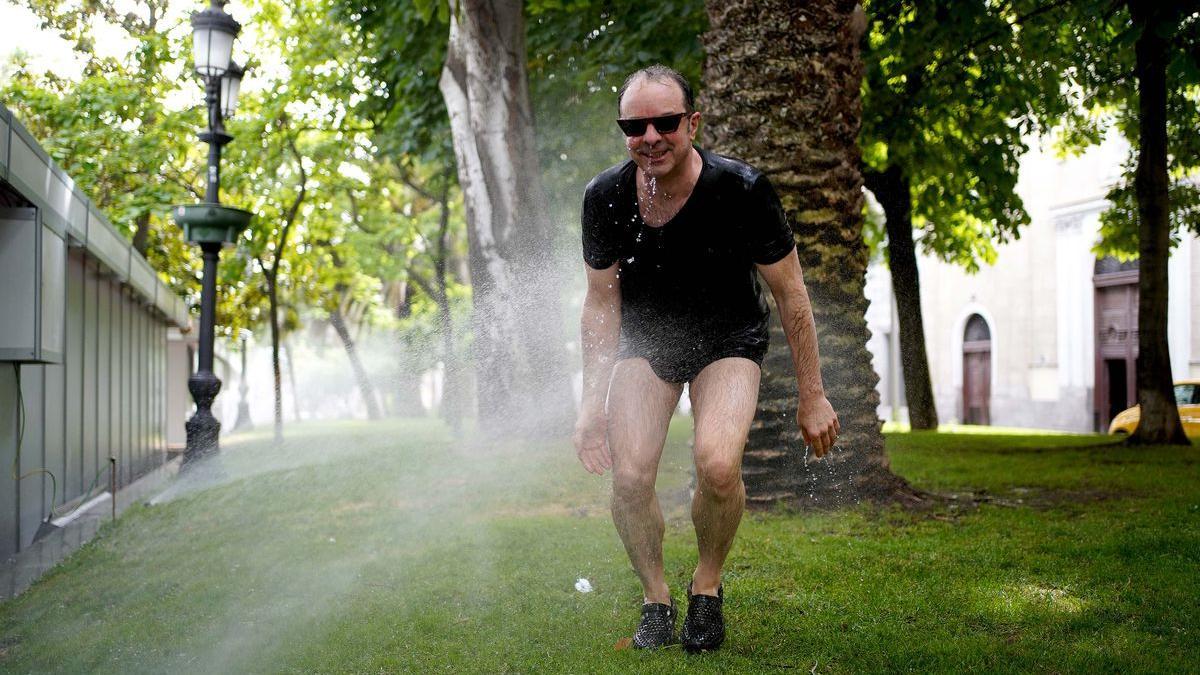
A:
(680, 361)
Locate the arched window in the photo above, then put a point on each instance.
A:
(977, 330)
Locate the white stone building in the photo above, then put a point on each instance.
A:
(1047, 336)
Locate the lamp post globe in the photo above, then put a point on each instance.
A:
(209, 224)
(213, 33)
(231, 84)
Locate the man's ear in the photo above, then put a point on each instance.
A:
(693, 124)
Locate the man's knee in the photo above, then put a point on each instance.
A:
(719, 473)
(632, 481)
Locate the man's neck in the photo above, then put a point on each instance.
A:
(678, 182)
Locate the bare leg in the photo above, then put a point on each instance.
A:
(639, 411)
(724, 396)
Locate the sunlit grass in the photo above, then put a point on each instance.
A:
(391, 547)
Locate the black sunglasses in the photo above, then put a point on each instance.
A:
(664, 125)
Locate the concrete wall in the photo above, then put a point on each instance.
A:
(105, 395)
(106, 399)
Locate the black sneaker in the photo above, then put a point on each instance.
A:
(657, 627)
(704, 627)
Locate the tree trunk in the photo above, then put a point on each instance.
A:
(287, 353)
(1159, 415)
(782, 91)
(141, 235)
(277, 378)
(891, 188)
(271, 274)
(520, 355)
(451, 405)
(360, 374)
(406, 391)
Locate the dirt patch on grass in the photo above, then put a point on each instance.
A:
(7, 644)
(1022, 497)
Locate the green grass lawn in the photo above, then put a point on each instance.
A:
(388, 548)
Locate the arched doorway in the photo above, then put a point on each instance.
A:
(977, 371)
(1116, 334)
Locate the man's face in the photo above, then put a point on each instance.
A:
(658, 154)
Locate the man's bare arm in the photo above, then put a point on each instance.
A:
(600, 330)
(816, 418)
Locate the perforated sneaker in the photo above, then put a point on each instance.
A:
(704, 627)
(657, 627)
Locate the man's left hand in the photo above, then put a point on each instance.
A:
(818, 424)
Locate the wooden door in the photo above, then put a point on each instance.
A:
(977, 372)
(977, 376)
(1116, 338)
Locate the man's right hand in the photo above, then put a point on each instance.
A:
(591, 442)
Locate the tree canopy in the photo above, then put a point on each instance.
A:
(952, 92)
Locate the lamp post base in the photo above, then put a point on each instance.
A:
(203, 430)
(243, 422)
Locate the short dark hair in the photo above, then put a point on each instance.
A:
(664, 74)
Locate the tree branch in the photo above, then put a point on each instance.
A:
(425, 285)
(1020, 21)
(420, 190)
(292, 211)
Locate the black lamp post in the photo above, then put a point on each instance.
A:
(209, 224)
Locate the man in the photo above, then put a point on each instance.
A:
(674, 240)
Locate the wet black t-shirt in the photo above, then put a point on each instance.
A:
(689, 285)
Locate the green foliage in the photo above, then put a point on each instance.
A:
(951, 90)
(296, 143)
(304, 160)
(1118, 224)
(405, 241)
(113, 132)
(1102, 34)
(578, 53)
(408, 45)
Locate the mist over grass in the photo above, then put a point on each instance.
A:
(392, 547)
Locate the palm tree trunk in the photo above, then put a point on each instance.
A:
(1160, 421)
(891, 188)
(782, 91)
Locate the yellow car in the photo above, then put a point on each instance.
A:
(1187, 397)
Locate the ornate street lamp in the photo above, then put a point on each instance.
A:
(209, 224)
